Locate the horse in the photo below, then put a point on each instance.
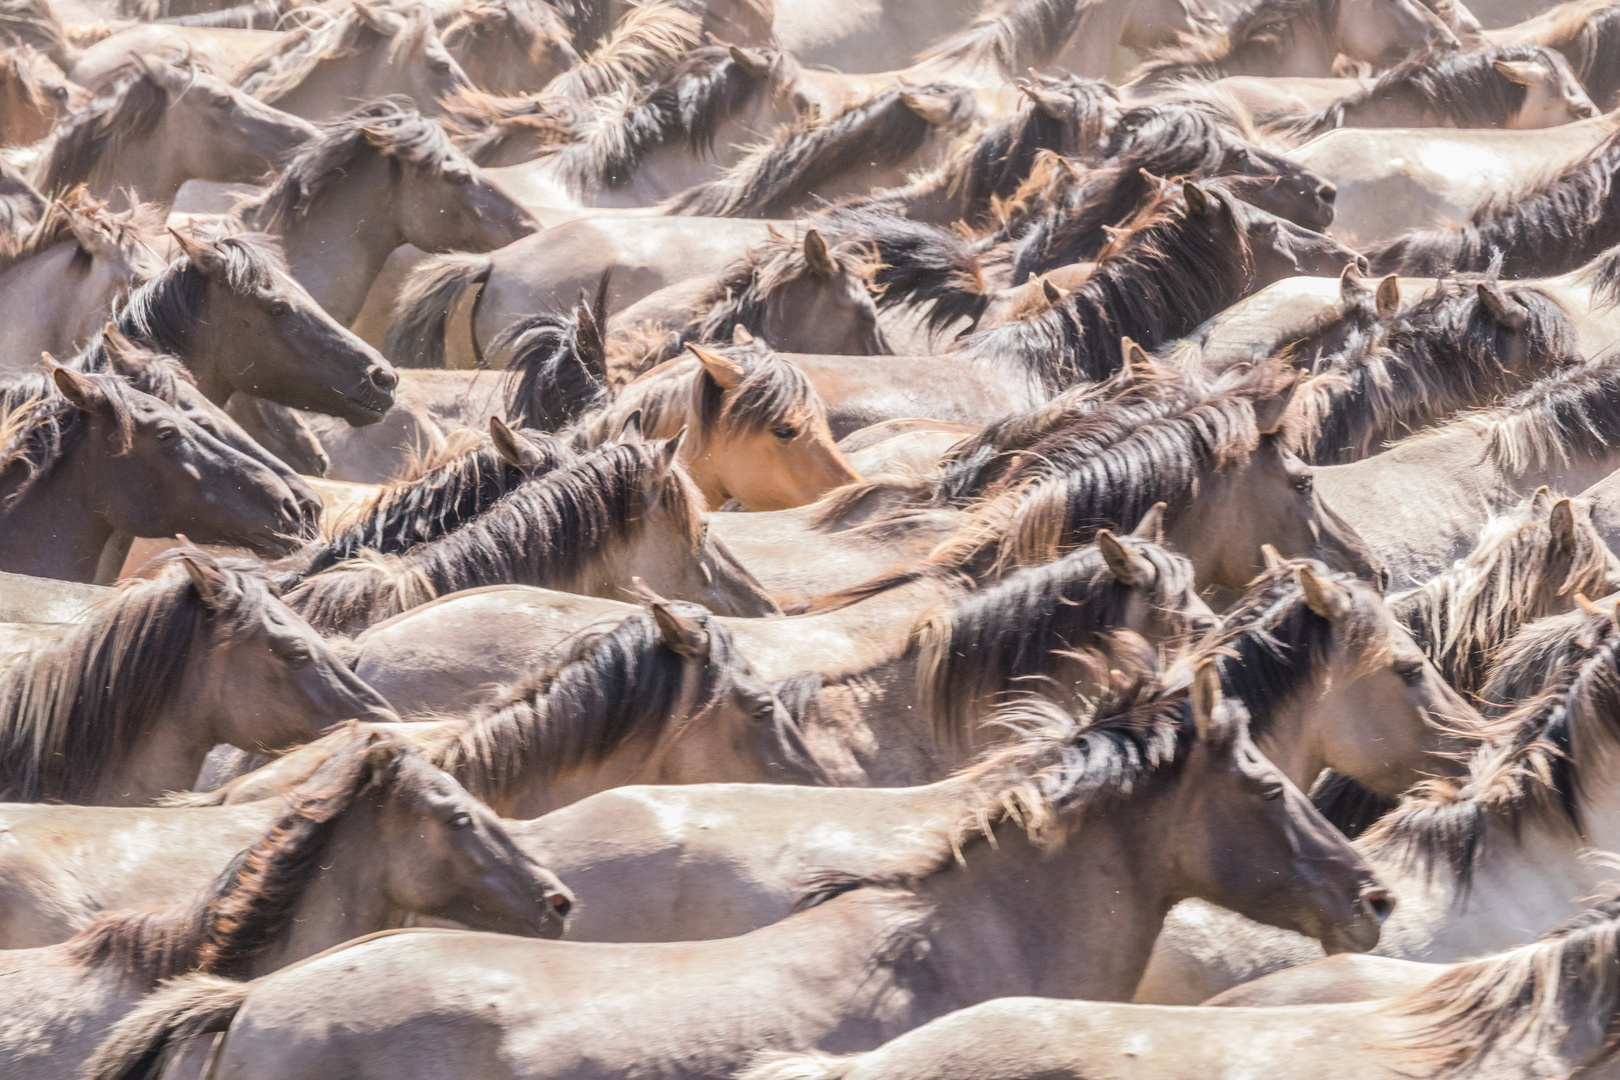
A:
(376, 823)
(886, 955)
(378, 175)
(510, 46)
(159, 124)
(1540, 1010)
(1583, 31)
(364, 53)
(105, 715)
(627, 510)
(34, 96)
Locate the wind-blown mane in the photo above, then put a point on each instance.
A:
(645, 47)
(918, 265)
(390, 128)
(1002, 158)
(1442, 356)
(1534, 656)
(129, 108)
(284, 66)
(1570, 414)
(774, 179)
(76, 217)
(1457, 89)
(31, 22)
(1254, 35)
(1002, 640)
(551, 531)
(1466, 614)
(41, 428)
(249, 905)
(69, 711)
(1554, 227)
(1588, 35)
(556, 366)
(1014, 35)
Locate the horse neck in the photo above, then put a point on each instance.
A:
(141, 165)
(1290, 739)
(1089, 51)
(1398, 108)
(361, 209)
(869, 723)
(54, 530)
(167, 757)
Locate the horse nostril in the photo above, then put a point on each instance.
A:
(562, 905)
(1327, 193)
(1380, 903)
(384, 378)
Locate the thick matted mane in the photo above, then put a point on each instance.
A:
(436, 496)
(774, 179)
(648, 43)
(1009, 638)
(390, 128)
(284, 66)
(1517, 572)
(1002, 158)
(68, 711)
(31, 22)
(918, 265)
(1533, 772)
(129, 108)
(1253, 35)
(606, 690)
(74, 217)
(1534, 656)
(556, 366)
(1552, 228)
(1588, 35)
(1534, 996)
(1442, 355)
(1458, 89)
(550, 532)
(1167, 271)
(251, 902)
(41, 427)
(1573, 413)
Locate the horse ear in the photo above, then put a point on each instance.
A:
(1053, 294)
(682, 635)
(375, 18)
(1128, 567)
(672, 448)
(1328, 599)
(756, 65)
(1507, 312)
(1151, 527)
(513, 448)
(121, 351)
(1351, 286)
(205, 257)
(206, 580)
(817, 257)
(1518, 71)
(741, 336)
(1205, 697)
(1056, 106)
(1199, 204)
(1541, 501)
(1388, 297)
(937, 109)
(1268, 411)
(630, 430)
(1136, 357)
(727, 373)
(1562, 524)
(80, 391)
(1273, 559)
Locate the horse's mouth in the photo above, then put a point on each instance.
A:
(360, 412)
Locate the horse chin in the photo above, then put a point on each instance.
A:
(359, 412)
(1359, 936)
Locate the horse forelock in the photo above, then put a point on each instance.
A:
(168, 306)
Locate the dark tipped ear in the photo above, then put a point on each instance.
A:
(121, 352)
(1053, 294)
(817, 257)
(1199, 204)
(1128, 567)
(682, 635)
(630, 430)
(205, 257)
(726, 373)
(1562, 524)
(1151, 527)
(755, 64)
(1205, 696)
(1328, 599)
(80, 391)
(1503, 310)
(672, 448)
(1268, 411)
(1388, 297)
(206, 580)
(1351, 287)
(513, 447)
(741, 336)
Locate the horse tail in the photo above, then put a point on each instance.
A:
(810, 1066)
(180, 1010)
(416, 333)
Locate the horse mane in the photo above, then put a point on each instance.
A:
(41, 427)
(648, 43)
(257, 15)
(1443, 356)
(1587, 37)
(1536, 996)
(1166, 271)
(1533, 656)
(165, 309)
(605, 690)
(1464, 615)
(251, 902)
(439, 493)
(129, 108)
(478, 122)
(390, 128)
(1534, 770)
(551, 530)
(1015, 35)
(1003, 638)
(76, 217)
(284, 66)
(1461, 89)
(774, 178)
(1555, 226)
(534, 24)
(68, 712)
(1573, 412)
(918, 265)
(1261, 30)
(31, 22)
(1001, 159)
(557, 366)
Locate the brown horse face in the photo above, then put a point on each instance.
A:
(1382, 32)
(1282, 249)
(457, 208)
(223, 134)
(732, 729)
(1552, 93)
(34, 95)
(776, 468)
(833, 315)
(278, 685)
(450, 857)
(1277, 185)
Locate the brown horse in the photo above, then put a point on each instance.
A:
(868, 959)
(34, 96)
(126, 704)
(375, 835)
(364, 53)
(510, 46)
(159, 124)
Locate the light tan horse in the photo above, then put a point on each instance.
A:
(1039, 911)
(374, 836)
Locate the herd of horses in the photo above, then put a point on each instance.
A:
(814, 540)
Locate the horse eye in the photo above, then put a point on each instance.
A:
(439, 65)
(278, 308)
(167, 432)
(1303, 485)
(459, 820)
(1272, 792)
(458, 177)
(785, 433)
(1410, 671)
(61, 93)
(298, 654)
